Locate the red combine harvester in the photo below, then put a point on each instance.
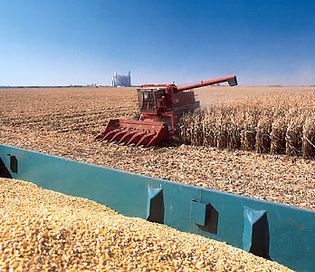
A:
(161, 107)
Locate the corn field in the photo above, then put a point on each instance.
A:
(64, 122)
(276, 124)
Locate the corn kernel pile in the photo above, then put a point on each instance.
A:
(45, 230)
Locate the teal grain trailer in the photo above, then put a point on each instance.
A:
(274, 231)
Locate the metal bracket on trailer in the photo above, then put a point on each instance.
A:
(155, 205)
(282, 233)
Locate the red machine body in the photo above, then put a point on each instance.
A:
(161, 107)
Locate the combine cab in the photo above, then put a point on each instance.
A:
(161, 107)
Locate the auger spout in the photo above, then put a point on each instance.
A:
(231, 80)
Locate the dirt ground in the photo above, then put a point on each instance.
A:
(65, 121)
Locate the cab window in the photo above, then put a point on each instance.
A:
(147, 101)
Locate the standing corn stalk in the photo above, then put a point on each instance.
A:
(278, 125)
(308, 144)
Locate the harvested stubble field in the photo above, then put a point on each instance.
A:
(64, 122)
(41, 230)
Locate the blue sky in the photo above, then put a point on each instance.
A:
(61, 42)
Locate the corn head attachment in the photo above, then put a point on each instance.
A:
(140, 133)
(161, 107)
